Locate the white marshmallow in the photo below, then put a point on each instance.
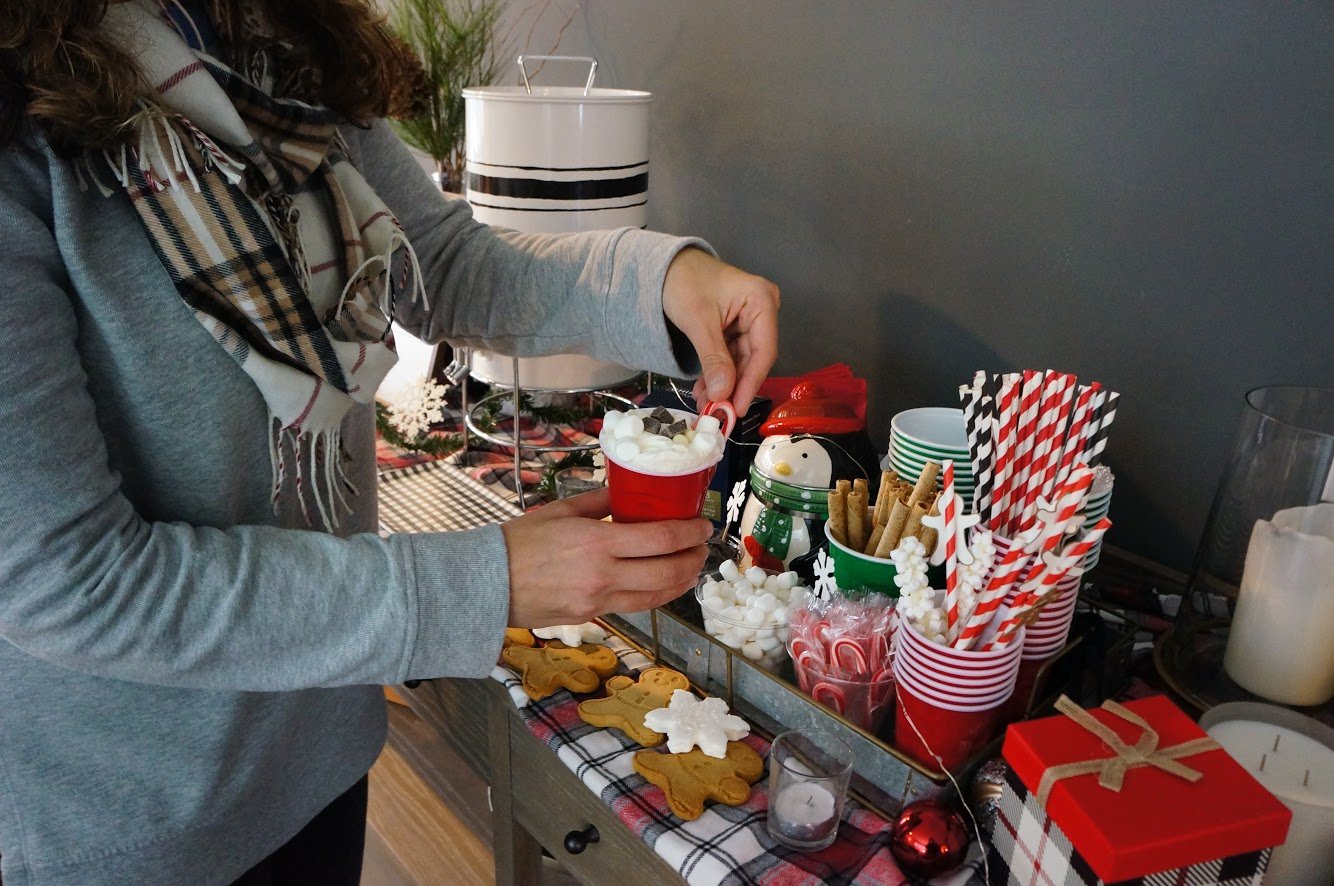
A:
(729, 571)
(708, 424)
(754, 617)
(611, 420)
(627, 450)
(755, 575)
(768, 644)
(752, 651)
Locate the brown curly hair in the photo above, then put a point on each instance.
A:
(59, 71)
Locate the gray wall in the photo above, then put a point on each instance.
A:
(1136, 192)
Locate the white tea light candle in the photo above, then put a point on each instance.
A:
(804, 811)
(1293, 757)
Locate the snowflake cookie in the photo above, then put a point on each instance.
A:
(572, 635)
(689, 721)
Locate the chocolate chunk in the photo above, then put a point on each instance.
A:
(662, 415)
(652, 425)
(676, 427)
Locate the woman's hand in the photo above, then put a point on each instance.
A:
(731, 318)
(567, 565)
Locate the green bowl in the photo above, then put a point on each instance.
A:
(858, 574)
(898, 444)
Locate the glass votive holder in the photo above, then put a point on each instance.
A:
(576, 481)
(808, 784)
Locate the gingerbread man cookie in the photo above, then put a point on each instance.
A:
(519, 637)
(555, 666)
(687, 780)
(628, 701)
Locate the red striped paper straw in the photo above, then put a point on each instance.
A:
(1006, 574)
(1007, 418)
(1056, 446)
(1053, 383)
(1053, 569)
(1029, 402)
(1076, 438)
(1069, 502)
(949, 511)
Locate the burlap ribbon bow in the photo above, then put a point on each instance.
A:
(1112, 770)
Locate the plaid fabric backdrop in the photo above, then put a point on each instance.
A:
(728, 844)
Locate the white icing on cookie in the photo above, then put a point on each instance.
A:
(572, 635)
(689, 722)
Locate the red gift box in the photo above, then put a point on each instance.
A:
(1157, 821)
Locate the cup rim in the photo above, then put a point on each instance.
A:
(975, 656)
(946, 669)
(907, 415)
(1254, 393)
(876, 561)
(714, 613)
(899, 443)
(957, 704)
(822, 739)
(679, 413)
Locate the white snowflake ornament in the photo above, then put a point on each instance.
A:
(735, 501)
(689, 722)
(419, 407)
(572, 635)
(824, 575)
(599, 467)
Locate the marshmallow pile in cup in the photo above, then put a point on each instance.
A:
(661, 441)
(749, 611)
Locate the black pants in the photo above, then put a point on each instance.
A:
(326, 851)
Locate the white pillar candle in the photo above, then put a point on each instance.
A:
(1279, 645)
(1293, 757)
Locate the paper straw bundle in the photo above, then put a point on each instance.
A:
(978, 583)
(1027, 431)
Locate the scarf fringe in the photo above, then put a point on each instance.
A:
(150, 157)
(321, 475)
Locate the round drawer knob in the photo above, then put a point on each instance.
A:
(577, 841)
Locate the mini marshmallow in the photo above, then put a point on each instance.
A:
(729, 571)
(754, 617)
(743, 593)
(627, 450)
(612, 419)
(755, 575)
(766, 602)
(708, 424)
(752, 651)
(681, 440)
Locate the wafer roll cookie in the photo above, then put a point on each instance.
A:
(876, 532)
(843, 486)
(914, 525)
(857, 520)
(925, 483)
(884, 497)
(838, 515)
(898, 518)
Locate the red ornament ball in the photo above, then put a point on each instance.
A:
(929, 838)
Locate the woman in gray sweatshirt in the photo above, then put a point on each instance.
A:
(204, 230)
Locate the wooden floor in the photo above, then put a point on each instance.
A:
(429, 818)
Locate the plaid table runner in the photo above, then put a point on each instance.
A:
(726, 846)
(438, 497)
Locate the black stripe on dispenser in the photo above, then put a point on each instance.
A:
(556, 209)
(559, 168)
(540, 189)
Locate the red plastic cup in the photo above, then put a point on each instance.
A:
(641, 497)
(944, 708)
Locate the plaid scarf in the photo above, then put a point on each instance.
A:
(234, 188)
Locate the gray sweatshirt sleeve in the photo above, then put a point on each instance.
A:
(89, 584)
(597, 293)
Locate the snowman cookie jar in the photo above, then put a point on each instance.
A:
(790, 480)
